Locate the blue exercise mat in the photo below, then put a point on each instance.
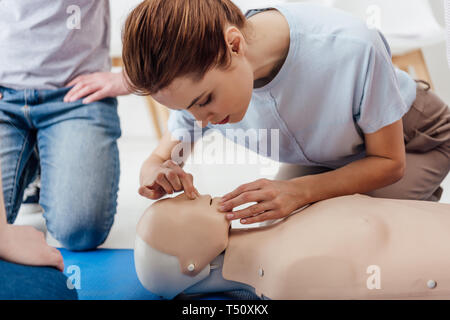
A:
(109, 274)
(105, 274)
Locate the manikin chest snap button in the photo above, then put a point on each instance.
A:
(191, 267)
(431, 284)
(261, 272)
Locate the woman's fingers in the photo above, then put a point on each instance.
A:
(174, 180)
(170, 178)
(188, 185)
(161, 179)
(250, 211)
(267, 215)
(186, 179)
(151, 193)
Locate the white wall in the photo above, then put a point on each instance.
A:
(435, 57)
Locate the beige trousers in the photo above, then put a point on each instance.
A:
(426, 128)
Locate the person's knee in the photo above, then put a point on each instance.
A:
(82, 231)
(81, 238)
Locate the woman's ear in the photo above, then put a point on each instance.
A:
(234, 40)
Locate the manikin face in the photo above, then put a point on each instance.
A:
(184, 210)
(177, 239)
(221, 93)
(194, 231)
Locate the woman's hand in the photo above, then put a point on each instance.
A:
(26, 245)
(169, 177)
(275, 199)
(96, 86)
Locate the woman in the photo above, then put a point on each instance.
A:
(348, 121)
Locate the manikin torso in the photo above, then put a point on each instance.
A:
(351, 247)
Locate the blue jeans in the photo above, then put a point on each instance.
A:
(19, 282)
(75, 146)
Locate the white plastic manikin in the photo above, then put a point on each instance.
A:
(350, 247)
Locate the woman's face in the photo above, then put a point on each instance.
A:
(220, 94)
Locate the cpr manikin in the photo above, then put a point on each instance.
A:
(350, 247)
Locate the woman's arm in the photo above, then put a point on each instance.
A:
(162, 153)
(383, 165)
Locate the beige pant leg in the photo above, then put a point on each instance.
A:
(423, 176)
(426, 128)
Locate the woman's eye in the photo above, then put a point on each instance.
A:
(207, 101)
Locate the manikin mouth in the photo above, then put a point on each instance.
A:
(213, 201)
(210, 199)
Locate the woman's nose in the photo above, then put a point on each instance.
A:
(203, 120)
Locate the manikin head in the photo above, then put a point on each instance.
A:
(176, 240)
(190, 54)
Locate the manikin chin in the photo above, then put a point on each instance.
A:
(350, 247)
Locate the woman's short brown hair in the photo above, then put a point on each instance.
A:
(166, 39)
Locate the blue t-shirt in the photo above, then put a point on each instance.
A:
(336, 84)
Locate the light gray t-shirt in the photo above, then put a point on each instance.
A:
(336, 84)
(46, 43)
